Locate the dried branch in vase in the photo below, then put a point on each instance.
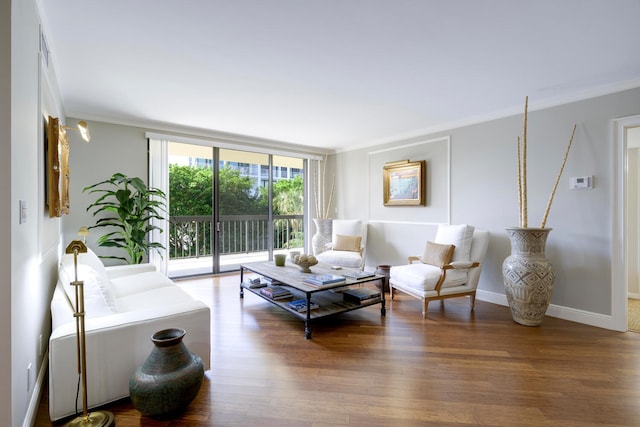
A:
(522, 174)
(555, 186)
(322, 209)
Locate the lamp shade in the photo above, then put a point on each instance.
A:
(84, 130)
(83, 232)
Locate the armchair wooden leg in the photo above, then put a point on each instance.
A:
(391, 293)
(472, 300)
(425, 307)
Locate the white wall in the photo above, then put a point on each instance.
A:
(484, 193)
(113, 148)
(28, 262)
(5, 214)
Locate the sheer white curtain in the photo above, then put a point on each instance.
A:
(159, 178)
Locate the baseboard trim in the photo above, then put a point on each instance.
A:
(34, 402)
(565, 313)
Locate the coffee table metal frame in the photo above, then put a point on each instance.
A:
(291, 277)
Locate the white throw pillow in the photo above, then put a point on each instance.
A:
(458, 235)
(89, 267)
(137, 283)
(346, 227)
(88, 259)
(95, 302)
(91, 259)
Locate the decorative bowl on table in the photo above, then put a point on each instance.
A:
(304, 262)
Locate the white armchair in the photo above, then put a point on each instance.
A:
(450, 266)
(347, 246)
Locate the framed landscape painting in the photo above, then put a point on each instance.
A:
(404, 183)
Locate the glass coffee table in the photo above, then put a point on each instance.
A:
(330, 299)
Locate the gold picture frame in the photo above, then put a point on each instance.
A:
(57, 152)
(404, 183)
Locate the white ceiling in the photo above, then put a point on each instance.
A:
(335, 74)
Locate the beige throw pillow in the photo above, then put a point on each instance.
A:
(437, 254)
(347, 243)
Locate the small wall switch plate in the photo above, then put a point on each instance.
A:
(23, 211)
(580, 182)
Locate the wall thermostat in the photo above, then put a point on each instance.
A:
(581, 182)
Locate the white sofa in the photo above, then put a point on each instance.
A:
(124, 306)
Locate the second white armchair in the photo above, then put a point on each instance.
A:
(347, 246)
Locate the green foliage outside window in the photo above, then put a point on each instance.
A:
(189, 191)
(190, 194)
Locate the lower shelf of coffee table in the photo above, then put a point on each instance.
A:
(330, 302)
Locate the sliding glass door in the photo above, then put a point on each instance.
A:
(190, 209)
(230, 206)
(243, 209)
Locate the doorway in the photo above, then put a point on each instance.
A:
(632, 226)
(625, 210)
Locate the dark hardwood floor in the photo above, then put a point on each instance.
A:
(455, 368)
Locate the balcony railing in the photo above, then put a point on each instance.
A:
(190, 236)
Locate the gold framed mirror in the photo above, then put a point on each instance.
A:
(57, 153)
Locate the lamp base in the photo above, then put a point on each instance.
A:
(93, 419)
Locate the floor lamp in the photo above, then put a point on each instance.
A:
(95, 418)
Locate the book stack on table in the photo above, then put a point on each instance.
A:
(324, 279)
(269, 281)
(361, 295)
(255, 283)
(358, 274)
(276, 292)
(300, 305)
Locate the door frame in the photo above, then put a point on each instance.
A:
(159, 174)
(619, 279)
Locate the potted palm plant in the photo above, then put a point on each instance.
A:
(127, 206)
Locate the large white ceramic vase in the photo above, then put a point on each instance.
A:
(322, 237)
(528, 276)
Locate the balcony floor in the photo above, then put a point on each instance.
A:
(182, 267)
